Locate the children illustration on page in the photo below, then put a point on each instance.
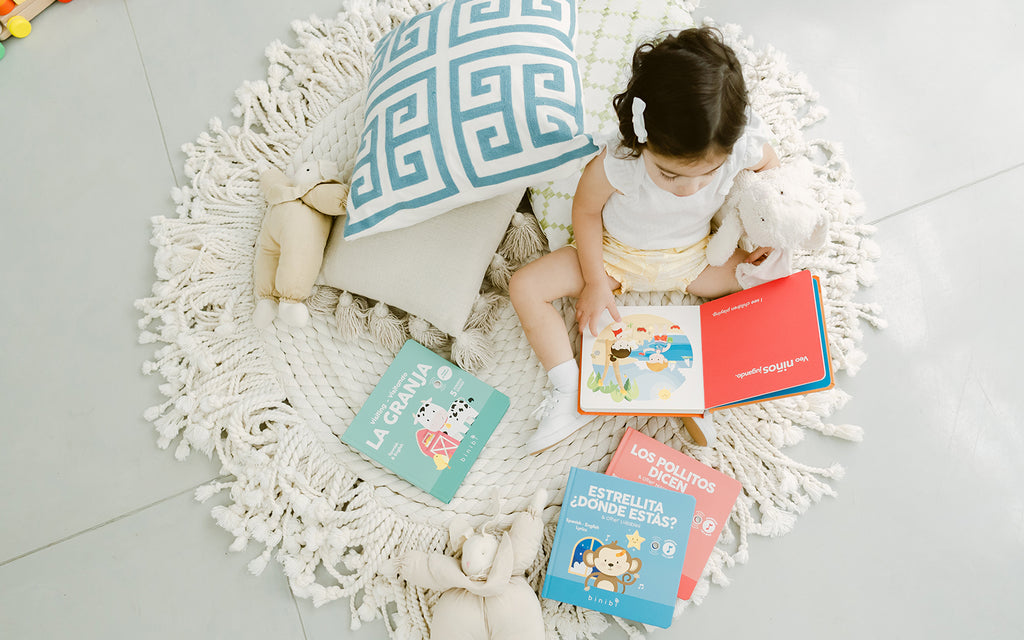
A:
(647, 359)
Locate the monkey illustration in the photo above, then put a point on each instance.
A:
(612, 567)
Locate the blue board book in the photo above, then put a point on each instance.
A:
(619, 547)
(427, 420)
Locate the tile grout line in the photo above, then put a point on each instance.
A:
(152, 96)
(96, 527)
(298, 612)
(948, 193)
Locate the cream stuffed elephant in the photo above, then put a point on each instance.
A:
(772, 208)
(290, 247)
(485, 594)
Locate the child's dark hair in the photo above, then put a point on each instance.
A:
(695, 94)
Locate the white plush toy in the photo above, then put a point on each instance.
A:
(486, 596)
(771, 208)
(290, 248)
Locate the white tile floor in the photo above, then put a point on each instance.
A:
(99, 536)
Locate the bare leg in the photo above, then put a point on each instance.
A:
(533, 288)
(715, 282)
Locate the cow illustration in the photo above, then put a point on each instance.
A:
(461, 416)
(430, 416)
(443, 430)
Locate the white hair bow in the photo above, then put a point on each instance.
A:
(639, 125)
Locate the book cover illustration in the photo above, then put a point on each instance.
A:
(644, 459)
(764, 342)
(619, 547)
(426, 420)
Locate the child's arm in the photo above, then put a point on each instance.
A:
(592, 193)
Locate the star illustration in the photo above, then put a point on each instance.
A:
(635, 539)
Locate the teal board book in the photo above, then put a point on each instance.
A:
(427, 420)
(619, 547)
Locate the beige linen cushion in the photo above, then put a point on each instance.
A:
(433, 269)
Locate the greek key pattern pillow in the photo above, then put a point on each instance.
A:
(467, 101)
(609, 31)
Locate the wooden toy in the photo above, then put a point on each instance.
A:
(15, 16)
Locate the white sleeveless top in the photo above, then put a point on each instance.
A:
(642, 215)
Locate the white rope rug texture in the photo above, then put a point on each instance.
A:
(270, 405)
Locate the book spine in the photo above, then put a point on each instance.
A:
(559, 534)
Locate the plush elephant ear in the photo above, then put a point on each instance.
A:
(819, 235)
(802, 166)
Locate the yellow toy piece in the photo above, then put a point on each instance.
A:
(15, 16)
(19, 26)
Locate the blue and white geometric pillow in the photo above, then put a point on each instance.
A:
(466, 101)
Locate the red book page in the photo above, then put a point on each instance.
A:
(761, 341)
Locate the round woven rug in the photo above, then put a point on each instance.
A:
(270, 405)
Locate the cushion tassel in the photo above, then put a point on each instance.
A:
(386, 327)
(427, 334)
(350, 315)
(523, 239)
(499, 272)
(486, 311)
(471, 350)
(322, 299)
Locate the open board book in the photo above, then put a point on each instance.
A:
(427, 420)
(762, 343)
(619, 547)
(644, 459)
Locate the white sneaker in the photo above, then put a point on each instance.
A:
(559, 419)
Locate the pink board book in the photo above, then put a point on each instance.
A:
(643, 459)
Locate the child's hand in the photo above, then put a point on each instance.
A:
(593, 300)
(758, 255)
